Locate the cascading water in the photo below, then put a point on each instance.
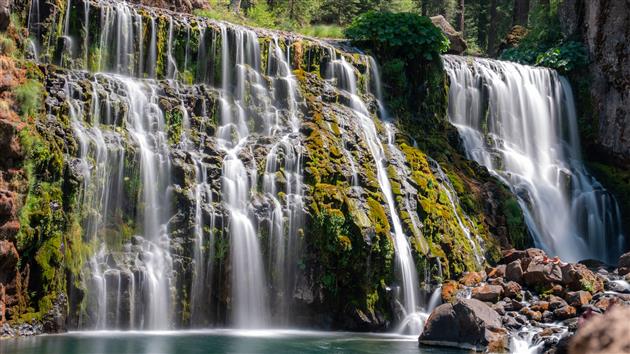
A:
(345, 76)
(520, 123)
(194, 156)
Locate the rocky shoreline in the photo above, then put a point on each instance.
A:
(527, 298)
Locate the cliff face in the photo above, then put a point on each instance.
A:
(604, 26)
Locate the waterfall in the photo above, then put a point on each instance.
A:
(345, 77)
(520, 123)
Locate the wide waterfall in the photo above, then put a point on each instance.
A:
(520, 123)
(191, 148)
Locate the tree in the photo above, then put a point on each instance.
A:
(520, 13)
(492, 32)
(460, 16)
(235, 6)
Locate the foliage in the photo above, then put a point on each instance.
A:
(29, 97)
(399, 35)
(544, 45)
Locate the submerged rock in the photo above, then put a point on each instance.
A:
(466, 323)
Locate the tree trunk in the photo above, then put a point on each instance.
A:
(235, 6)
(521, 12)
(460, 17)
(492, 28)
(424, 6)
(482, 24)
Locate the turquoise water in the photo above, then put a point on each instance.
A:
(216, 341)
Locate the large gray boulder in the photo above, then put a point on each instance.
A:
(466, 323)
(458, 43)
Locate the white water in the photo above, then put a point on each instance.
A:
(520, 123)
(346, 80)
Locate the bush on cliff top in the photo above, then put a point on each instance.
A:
(399, 35)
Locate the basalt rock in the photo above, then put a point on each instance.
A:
(467, 323)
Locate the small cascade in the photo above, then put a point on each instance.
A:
(462, 219)
(129, 292)
(520, 123)
(346, 80)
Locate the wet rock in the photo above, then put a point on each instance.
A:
(618, 286)
(531, 314)
(603, 334)
(467, 323)
(565, 312)
(578, 298)
(556, 302)
(488, 293)
(540, 306)
(623, 264)
(512, 290)
(458, 43)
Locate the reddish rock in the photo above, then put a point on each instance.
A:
(565, 312)
(541, 273)
(472, 278)
(578, 298)
(497, 272)
(556, 302)
(488, 293)
(512, 290)
(540, 306)
(603, 334)
(577, 277)
(531, 314)
(449, 290)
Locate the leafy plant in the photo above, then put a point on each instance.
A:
(563, 57)
(399, 35)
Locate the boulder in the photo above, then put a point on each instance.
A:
(512, 290)
(603, 334)
(577, 277)
(565, 312)
(578, 298)
(514, 271)
(542, 273)
(458, 43)
(466, 323)
(624, 264)
(497, 272)
(488, 293)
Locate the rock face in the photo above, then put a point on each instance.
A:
(604, 26)
(604, 334)
(186, 6)
(5, 14)
(458, 43)
(467, 323)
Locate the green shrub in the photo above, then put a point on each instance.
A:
(563, 57)
(399, 35)
(29, 97)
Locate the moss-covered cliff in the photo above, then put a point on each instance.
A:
(343, 274)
